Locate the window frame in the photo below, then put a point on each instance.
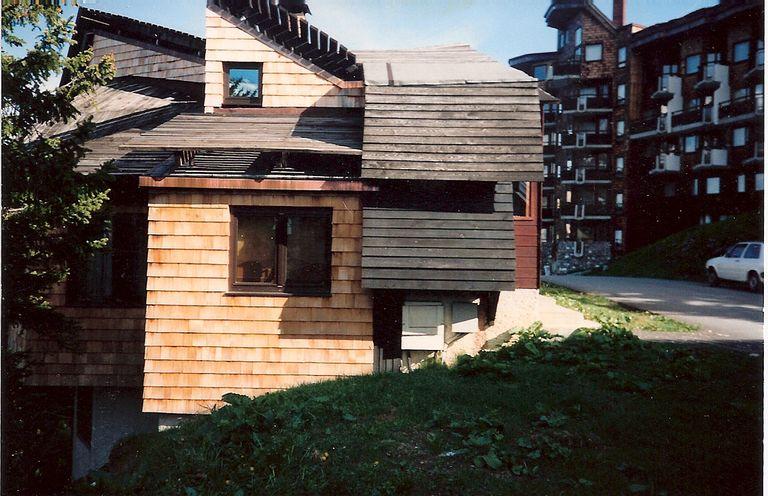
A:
(748, 43)
(237, 101)
(733, 136)
(586, 47)
(685, 64)
(621, 61)
(281, 255)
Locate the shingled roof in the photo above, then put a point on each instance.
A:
(449, 113)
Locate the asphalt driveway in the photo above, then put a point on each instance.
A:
(725, 316)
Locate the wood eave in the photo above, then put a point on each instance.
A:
(299, 185)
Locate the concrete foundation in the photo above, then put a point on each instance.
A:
(104, 416)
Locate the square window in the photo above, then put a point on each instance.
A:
(713, 185)
(741, 51)
(286, 250)
(593, 52)
(242, 84)
(622, 56)
(540, 72)
(759, 181)
(692, 63)
(739, 136)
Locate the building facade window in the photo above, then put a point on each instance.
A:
(739, 136)
(562, 38)
(690, 144)
(759, 181)
(621, 93)
(618, 237)
(540, 72)
(619, 164)
(621, 56)
(593, 52)
(620, 127)
(242, 84)
(695, 190)
(619, 200)
(741, 183)
(741, 51)
(285, 250)
(713, 185)
(692, 63)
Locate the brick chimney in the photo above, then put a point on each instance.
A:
(619, 12)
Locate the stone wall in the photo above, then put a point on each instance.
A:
(565, 260)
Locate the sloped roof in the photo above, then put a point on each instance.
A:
(339, 134)
(449, 113)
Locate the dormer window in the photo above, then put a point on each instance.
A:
(242, 84)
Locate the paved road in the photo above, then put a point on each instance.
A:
(725, 316)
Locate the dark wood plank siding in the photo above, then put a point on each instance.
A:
(488, 132)
(419, 249)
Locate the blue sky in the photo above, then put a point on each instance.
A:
(500, 28)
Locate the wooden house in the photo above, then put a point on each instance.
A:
(288, 211)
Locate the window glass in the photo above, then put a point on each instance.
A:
(741, 51)
(593, 52)
(256, 251)
(520, 199)
(753, 251)
(244, 82)
(692, 63)
(622, 56)
(621, 92)
(577, 37)
(741, 93)
(741, 183)
(282, 250)
(620, 128)
(561, 38)
(739, 136)
(759, 181)
(619, 199)
(736, 251)
(540, 72)
(695, 190)
(618, 236)
(690, 144)
(308, 261)
(619, 164)
(713, 185)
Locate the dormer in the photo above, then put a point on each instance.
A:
(261, 54)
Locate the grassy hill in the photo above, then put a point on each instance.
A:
(601, 413)
(682, 255)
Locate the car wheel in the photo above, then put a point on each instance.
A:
(753, 281)
(712, 278)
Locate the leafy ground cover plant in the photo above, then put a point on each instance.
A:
(598, 413)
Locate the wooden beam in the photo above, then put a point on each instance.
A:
(255, 184)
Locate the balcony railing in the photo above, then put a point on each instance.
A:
(551, 117)
(571, 67)
(587, 139)
(700, 114)
(581, 175)
(587, 103)
(713, 157)
(653, 122)
(578, 211)
(742, 106)
(667, 162)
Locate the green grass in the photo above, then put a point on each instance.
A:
(682, 255)
(601, 413)
(603, 310)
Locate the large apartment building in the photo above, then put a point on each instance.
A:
(655, 129)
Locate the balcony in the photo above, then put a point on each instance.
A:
(648, 126)
(712, 157)
(756, 156)
(666, 162)
(567, 68)
(551, 118)
(582, 211)
(747, 106)
(709, 78)
(581, 175)
(587, 140)
(666, 87)
(587, 104)
(755, 73)
(692, 116)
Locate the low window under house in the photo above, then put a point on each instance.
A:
(287, 211)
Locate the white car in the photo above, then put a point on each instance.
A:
(742, 262)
